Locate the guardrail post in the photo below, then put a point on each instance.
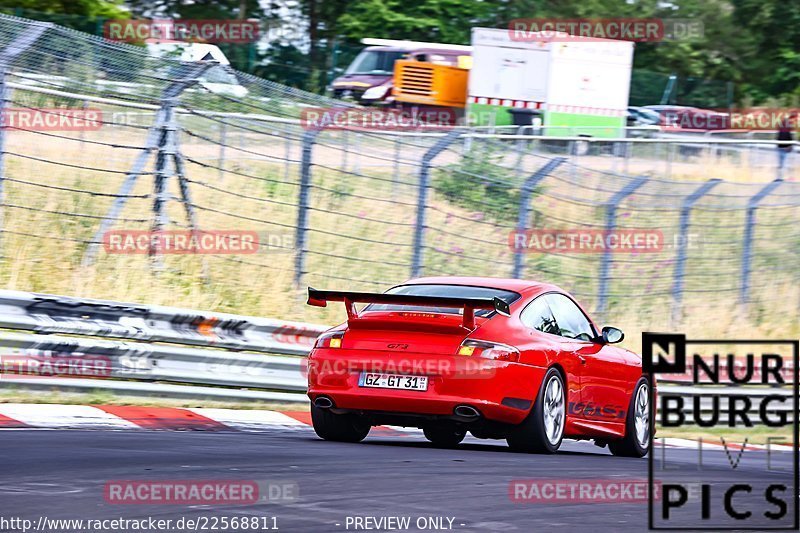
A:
(24, 41)
(611, 224)
(683, 231)
(303, 202)
(525, 207)
(422, 198)
(747, 243)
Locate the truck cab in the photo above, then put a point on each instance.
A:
(369, 79)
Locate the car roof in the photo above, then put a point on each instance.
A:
(522, 286)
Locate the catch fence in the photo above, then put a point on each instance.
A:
(198, 146)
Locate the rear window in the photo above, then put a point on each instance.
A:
(451, 291)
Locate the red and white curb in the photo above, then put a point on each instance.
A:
(718, 444)
(57, 416)
(125, 417)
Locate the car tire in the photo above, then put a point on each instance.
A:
(336, 427)
(444, 436)
(637, 424)
(534, 434)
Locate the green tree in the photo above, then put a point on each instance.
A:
(771, 65)
(87, 8)
(447, 21)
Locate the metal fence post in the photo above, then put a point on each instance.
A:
(7, 56)
(3, 102)
(154, 141)
(525, 207)
(357, 154)
(669, 159)
(223, 130)
(747, 243)
(288, 163)
(113, 213)
(683, 231)
(611, 224)
(422, 198)
(519, 147)
(346, 148)
(303, 202)
(160, 192)
(396, 171)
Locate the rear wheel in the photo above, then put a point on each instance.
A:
(341, 428)
(637, 424)
(543, 429)
(444, 436)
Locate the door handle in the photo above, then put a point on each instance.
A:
(582, 359)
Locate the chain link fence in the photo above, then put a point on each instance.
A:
(198, 146)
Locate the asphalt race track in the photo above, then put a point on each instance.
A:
(62, 474)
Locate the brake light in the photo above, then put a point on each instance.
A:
(489, 350)
(331, 339)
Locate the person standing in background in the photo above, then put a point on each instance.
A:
(785, 141)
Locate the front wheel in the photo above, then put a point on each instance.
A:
(341, 428)
(637, 424)
(543, 429)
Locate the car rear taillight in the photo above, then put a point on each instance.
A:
(489, 350)
(331, 339)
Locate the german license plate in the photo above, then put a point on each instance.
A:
(393, 381)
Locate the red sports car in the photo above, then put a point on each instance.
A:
(500, 358)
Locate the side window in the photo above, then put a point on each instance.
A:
(539, 316)
(572, 323)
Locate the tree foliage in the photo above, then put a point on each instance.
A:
(755, 44)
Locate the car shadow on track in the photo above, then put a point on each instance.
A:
(470, 446)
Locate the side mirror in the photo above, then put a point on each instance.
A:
(612, 335)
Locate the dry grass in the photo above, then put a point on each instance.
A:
(43, 251)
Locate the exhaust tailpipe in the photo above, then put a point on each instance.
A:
(323, 402)
(467, 411)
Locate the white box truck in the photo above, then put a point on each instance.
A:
(579, 84)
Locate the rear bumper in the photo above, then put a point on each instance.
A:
(502, 391)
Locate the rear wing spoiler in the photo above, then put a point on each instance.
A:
(319, 298)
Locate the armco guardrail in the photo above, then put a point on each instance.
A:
(157, 362)
(217, 349)
(46, 313)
